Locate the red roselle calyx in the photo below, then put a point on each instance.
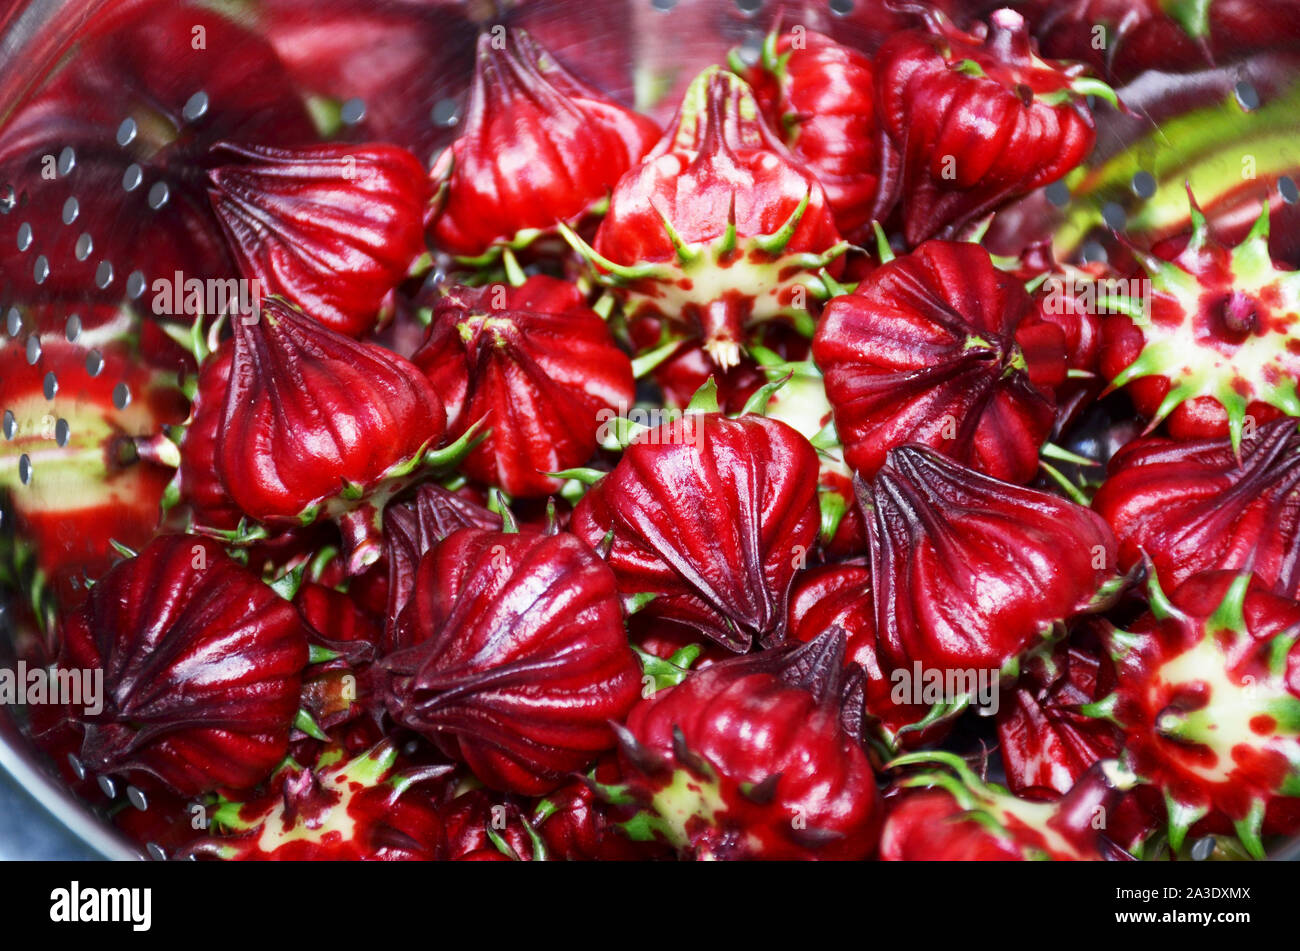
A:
(202, 665)
(818, 95)
(341, 809)
(979, 118)
(1199, 506)
(940, 347)
(951, 814)
(537, 366)
(720, 227)
(540, 148)
(332, 227)
(971, 573)
(754, 757)
(1207, 696)
(708, 518)
(1217, 341)
(520, 662)
(839, 596)
(317, 423)
(411, 530)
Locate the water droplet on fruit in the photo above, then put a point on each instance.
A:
(1287, 187)
(663, 6)
(73, 328)
(156, 852)
(33, 349)
(137, 798)
(104, 274)
(51, 386)
(108, 787)
(121, 396)
(132, 177)
(71, 208)
(85, 244)
(841, 8)
(67, 161)
(748, 6)
(1144, 184)
(78, 768)
(25, 469)
(1094, 251)
(10, 424)
(158, 195)
(24, 236)
(61, 432)
(40, 270)
(135, 284)
(1114, 216)
(14, 322)
(94, 363)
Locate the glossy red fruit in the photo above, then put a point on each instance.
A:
(197, 484)
(1046, 740)
(939, 347)
(819, 96)
(578, 826)
(971, 573)
(411, 530)
(750, 759)
(1198, 506)
(201, 662)
(720, 228)
(1208, 698)
(539, 148)
(331, 227)
(538, 366)
(1218, 338)
(1141, 35)
(709, 517)
(79, 470)
(482, 826)
(520, 661)
(317, 423)
(839, 596)
(343, 809)
(979, 118)
(940, 816)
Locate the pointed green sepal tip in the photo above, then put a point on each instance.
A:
(288, 584)
(705, 399)
(304, 723)
(1230, 615)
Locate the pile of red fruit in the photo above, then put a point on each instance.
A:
(757, 485)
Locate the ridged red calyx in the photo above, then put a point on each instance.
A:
(482, 826)
(751, 758)
(951, 814)
(839, 596)
(1171, 37)
(318, 424)
(342, 809)
(1217, 340)
(979, 118)
(539, 148)
(577, 825)
(197, 483)
(708, 519)
(1046, 740)
(940, 347)
(819, 96)
(1198, 506)
(520, 661)
(720, 228)
(202, 664)
(411, 530)
(538, 366)
(332, 227)
(1208, 698)
(972, 573)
